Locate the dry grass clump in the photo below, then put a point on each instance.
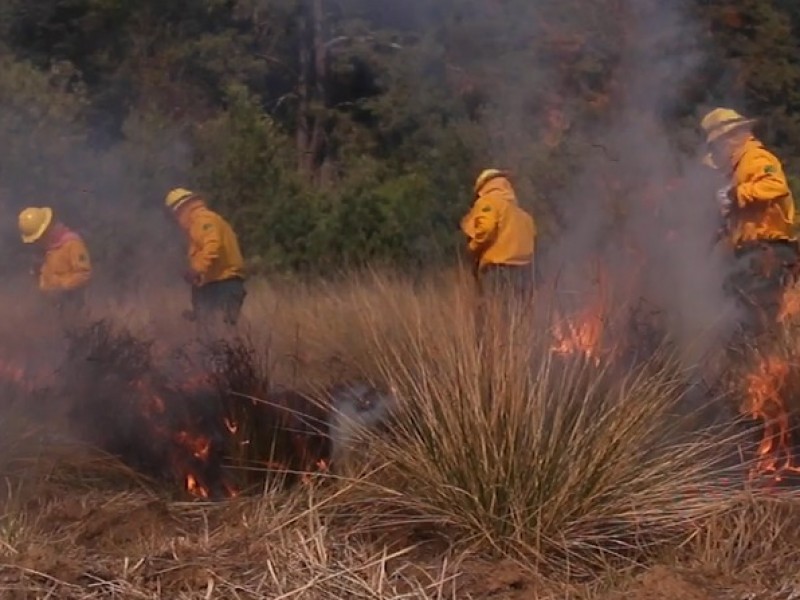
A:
(753, 535)
(526, 463)
(130, 544)
(511, 446)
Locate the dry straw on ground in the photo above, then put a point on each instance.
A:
(511, 472)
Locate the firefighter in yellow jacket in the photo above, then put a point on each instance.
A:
(758, 212)
(216, 268)
(501, 235)
(65, 269)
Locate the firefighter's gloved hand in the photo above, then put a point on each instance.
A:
(725, 199)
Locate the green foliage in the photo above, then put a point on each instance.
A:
(42, 121)
(370, 214)
(756, 58)
(241, 163)
(348, 131)
(378, 216)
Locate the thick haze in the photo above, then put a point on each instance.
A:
(634, 198)
(639, 201)
(112, 195)
(661, 193)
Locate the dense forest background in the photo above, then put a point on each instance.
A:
(339, 132)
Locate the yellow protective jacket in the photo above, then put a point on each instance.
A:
(214, 253)
(763, 205)
(66, 264)
(499, 231)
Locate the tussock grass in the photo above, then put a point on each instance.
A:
(514, 447)
(566, 468)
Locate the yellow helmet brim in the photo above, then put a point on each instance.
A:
(177, 197)
(37, 235)
(182, 201)
(486, 176)
(727, 128)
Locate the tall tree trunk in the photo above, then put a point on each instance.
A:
(304, 161)
(312, 89)
(318, 138)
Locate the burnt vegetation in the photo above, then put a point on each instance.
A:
(562, 449)
(381, 432)
(210, 425)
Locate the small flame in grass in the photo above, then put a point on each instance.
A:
(581, 336)
(199, 446)
(179, 443)
(194, 487)
(765, 402)
(189, 452)
(582, 333)
(231, 491)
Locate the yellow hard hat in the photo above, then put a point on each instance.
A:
(177, 197)
(486, 176)
(33, 222)
(722, 121)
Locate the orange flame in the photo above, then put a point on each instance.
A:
(194, 488)
(765, 402)
(583, 333)
(200, 446)
(581, 337)
(231, 490)
(186, 443)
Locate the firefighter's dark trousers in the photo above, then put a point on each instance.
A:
(218, 302)
(506, 281)
(505, 295)
(70, 308)
(761, 273)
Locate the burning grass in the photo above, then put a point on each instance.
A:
(766, 380)
(507, 449)
(209, 420)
